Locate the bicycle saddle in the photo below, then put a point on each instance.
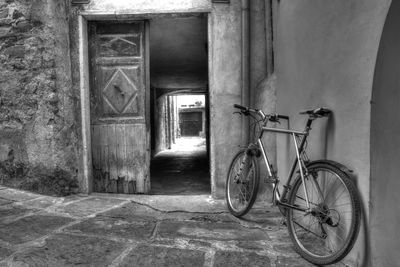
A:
(318, 112)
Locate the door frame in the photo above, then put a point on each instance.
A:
(84, 17)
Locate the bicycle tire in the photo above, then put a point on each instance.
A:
(341, 228)
(252, 180)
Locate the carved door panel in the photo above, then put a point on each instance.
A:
(119, 107)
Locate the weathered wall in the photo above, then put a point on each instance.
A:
(37, 123)
(325, 56)
(385, 146)
(225, 77)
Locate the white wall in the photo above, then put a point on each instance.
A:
(385, 146)
(325, 56)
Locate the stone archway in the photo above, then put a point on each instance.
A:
(385, 145)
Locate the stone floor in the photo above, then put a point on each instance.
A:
(137, 230)
(181, 170)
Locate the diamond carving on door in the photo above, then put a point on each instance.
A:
(119, 45)
(120, 95)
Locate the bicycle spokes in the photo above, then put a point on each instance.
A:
(241, 184)
(325, 227)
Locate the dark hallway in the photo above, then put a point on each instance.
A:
(182, 170)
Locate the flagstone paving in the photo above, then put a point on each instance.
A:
(121, 230)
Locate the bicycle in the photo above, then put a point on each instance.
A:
(321, 207)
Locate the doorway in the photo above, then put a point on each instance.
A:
(137, 68)
(179, 105)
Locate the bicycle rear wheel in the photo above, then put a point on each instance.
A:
(327, 232)
(242, 183)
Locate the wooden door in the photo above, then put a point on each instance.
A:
(120, 107)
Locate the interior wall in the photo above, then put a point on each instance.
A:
(162, 124)
(385, 145)
(325, 56)
(178, 44)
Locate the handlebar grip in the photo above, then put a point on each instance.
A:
(240, 107)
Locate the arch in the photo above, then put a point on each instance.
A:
(385, 145)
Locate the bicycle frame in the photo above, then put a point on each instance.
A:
(277, 198)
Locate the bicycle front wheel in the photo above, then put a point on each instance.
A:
(327, 231)
(242, 183)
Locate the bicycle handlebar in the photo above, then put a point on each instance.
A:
(313, 113)
(272, 117)
(239, 107)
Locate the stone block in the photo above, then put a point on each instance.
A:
(66, 250)
(4, 13)
(292, 262)
(209, 231)
(4, 201)
(149, 256)
(17, 51)
(5, 22)
(233, 259)
(5, 252)
(138, 229)
(16, 195)
(10, 212)
(5, 151)
(23, 26)
(39, 225)
(4, 30)
(89, 206)
(132, 211)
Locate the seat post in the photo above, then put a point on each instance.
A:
(309, 122)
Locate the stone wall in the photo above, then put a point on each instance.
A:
(37, 123)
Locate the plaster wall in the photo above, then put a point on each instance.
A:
(224, 48)
(262, 85)
(385, 146)
(225, 80)
(325, 56)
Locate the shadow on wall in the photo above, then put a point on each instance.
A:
(385, 146)
(363, 236)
